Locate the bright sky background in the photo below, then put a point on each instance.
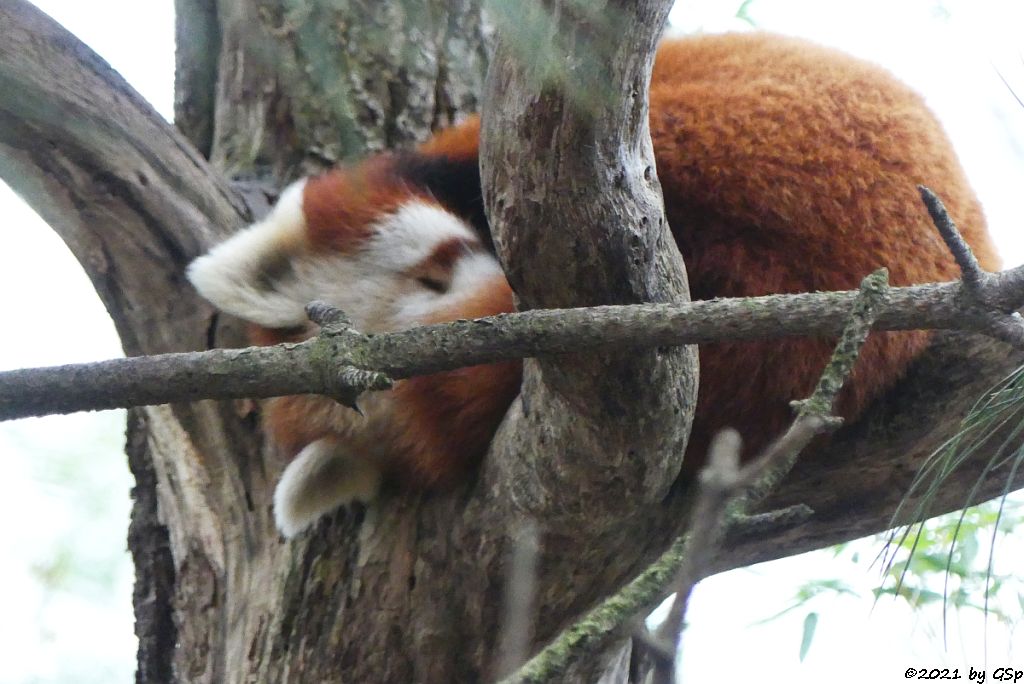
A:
(82, 631)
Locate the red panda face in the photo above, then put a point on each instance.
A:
(417, 261)
(389, 257)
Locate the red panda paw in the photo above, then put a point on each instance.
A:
(322, 477)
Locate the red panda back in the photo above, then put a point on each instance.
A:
(789, 167)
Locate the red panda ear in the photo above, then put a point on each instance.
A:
(459, 143)
(342, 206)
(243, 274)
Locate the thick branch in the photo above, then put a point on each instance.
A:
(559, 149)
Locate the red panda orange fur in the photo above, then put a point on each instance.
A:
(340, 206)
(453, 415)
(806, 181)
(785, 167)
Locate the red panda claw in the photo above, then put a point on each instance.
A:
(353, 382)
(328, 316)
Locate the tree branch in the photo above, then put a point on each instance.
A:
(726, 491)
(723, 493)
(311, 367)
(998, 316)
(561, 146)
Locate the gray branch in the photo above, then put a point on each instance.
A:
(998, 316)
(311, 367)
(725, 491)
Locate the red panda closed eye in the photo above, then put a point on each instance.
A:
(785, 167)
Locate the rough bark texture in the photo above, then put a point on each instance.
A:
(284, 88)
(612, 427)
(154, 564)
(410, 589)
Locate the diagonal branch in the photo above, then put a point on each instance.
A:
(996, 314)
(725, 491)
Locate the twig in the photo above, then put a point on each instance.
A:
(601, 623)
(975, 278)
(718, 487)
(814, 414)
(992, 313)
(520, 592)
(306, 367)
(766, 524)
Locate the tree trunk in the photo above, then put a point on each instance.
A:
(412, 588)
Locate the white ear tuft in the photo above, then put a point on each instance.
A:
(322, 478)
(239, 275)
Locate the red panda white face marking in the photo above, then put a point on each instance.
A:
(418, 260)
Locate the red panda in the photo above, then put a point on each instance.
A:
(785, 167)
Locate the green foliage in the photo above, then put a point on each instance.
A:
(743, 13)
(950, 544)
(810, 624)
(942, 562)
(948, 563)
(995, 422)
